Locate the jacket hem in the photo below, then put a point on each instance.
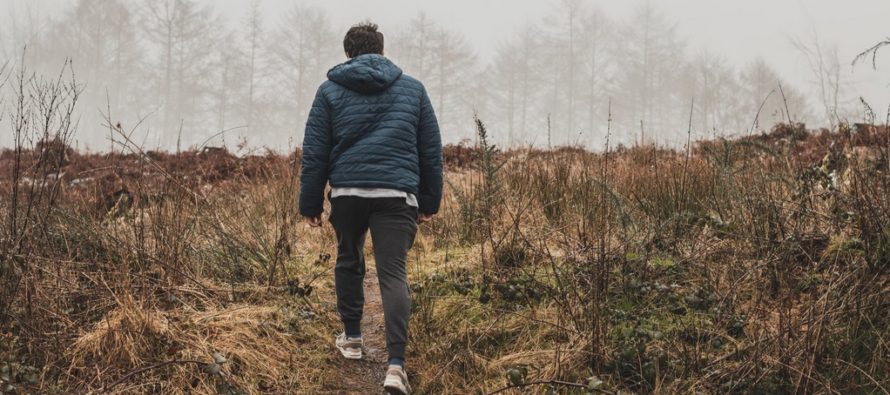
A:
(374, 184)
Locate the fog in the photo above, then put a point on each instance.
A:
(239, 73)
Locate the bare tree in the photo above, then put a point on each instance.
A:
(825, 66)
(413, 47)
(303, 46)
(564, 42)
(25, 26)
(503, 78)
(649, 59)
(761, 97)
(254, 24)
(514, 83)
(228, 69)
(596, 33)
(445, 62)
(454, 72)
(713, 84)
(98, 36)
(183, 33)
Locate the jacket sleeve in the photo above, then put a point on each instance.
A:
(429, 149)
(316, 154)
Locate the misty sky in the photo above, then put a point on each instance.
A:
(739, 31)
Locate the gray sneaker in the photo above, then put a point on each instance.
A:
(396, 382)
(350, 347)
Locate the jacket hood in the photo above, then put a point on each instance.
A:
(366, 73)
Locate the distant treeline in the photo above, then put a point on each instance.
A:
(189, 75)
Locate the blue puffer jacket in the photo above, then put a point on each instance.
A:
(371, 127)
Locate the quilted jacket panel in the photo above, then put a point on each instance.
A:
(371, 126)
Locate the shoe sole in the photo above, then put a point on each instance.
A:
(394, 388)
(350, 354)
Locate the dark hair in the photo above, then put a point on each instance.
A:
(363, 39)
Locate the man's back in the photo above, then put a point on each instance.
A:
(371, 126)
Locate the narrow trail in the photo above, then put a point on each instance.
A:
(366, 376)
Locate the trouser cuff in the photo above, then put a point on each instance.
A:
(352, 328)
(396, 351)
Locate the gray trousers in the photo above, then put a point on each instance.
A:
(393, 225)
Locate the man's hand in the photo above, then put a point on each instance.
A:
(424, 218)
(314, 222)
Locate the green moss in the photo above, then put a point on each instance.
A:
(662, 262)
(843, 247)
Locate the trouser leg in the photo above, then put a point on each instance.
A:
(349, 217)
(393, 225)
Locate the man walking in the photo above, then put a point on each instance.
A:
(373, 135)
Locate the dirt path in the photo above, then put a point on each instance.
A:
(366, 376)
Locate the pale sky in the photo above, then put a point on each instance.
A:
(738, 30)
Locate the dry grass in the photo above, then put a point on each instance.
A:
(756, 265)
